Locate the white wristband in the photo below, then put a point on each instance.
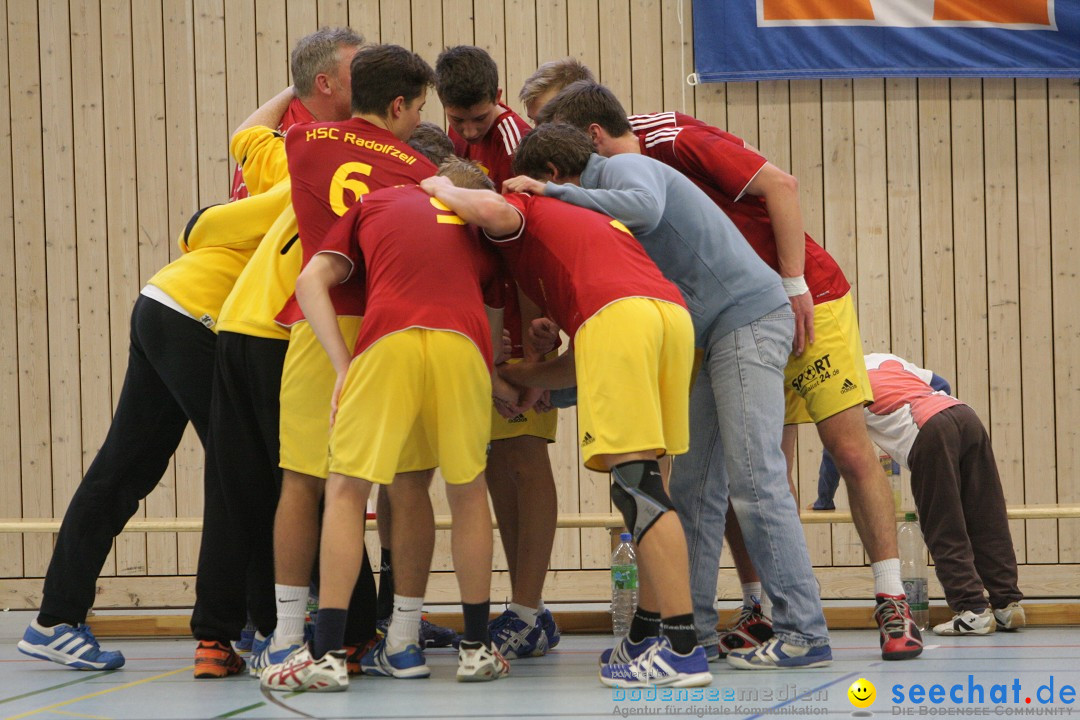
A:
(795, 285)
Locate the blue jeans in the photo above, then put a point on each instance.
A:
(736, 424)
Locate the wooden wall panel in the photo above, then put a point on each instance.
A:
(31, 278)
(950, 204)
(1036, 309)
(11, 546)
(1065, 211)
(1003, 294)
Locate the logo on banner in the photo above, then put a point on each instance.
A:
(1006, 14)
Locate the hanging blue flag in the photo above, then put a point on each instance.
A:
(771, 39)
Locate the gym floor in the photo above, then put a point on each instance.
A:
(1040, 663)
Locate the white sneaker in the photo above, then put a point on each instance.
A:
(300, 672)
(1010, 617)
(968, 623)
(478, 663)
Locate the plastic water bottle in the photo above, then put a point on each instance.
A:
(624, 585)
(913, 569)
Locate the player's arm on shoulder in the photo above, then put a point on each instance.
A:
(258, 148)
(484, 208)
(631, 189)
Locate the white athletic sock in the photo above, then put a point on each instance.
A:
(751, 594)
(405, 623)
(291, 608)
(887, 577)
(527, 614)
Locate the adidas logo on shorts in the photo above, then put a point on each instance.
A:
(848, 386)
(587, 439)
(518, 419)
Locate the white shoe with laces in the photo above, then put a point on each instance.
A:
(1010, 617)
(968, 623)
(300, 672)
(479, 663)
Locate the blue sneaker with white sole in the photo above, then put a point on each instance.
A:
(547, 621)
(263, 655)
(661, 666)
(775, 654)
(405, 664)
(515, 638)
(71, 645)
(626, 651)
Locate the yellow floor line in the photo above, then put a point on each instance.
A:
(81, 715)
(100, 692)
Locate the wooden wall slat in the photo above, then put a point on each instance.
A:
(902, 182)
(271, 47)
(678, 56)
(333, 13)
(521, 54)
(935, 183)
(552, 32)
(31, 278)
(871, 213)
(1003, 293)
(566, 552)
(122, 223)
(215, 172)
(1064, 96)
(969, 231)
(241, 74)
(301, 18)
(11, 548)
(1036, 310)
(183, 199)
(489, 33)
(457, 23)
(647, 47)
(60, 252)
(742, 114)
(583, 32)
(364, 19)
(427, 41)
(396, 23)
(155, 240)
(615, 68)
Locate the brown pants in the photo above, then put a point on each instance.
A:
(954, 479)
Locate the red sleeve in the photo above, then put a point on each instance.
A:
(708, 155)
(518, 201)
(495, 288)
(343, 238)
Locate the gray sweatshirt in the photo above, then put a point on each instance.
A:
(725, 284)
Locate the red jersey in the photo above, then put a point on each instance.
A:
(295, 114)
(718, 163)
(332, 165)
(425, 267)
(495, 151)
(573, 262)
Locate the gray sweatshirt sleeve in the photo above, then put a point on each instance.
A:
(632, 191)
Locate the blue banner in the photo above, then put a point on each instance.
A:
(774, 39)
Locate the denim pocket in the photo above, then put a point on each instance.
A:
(773, 334)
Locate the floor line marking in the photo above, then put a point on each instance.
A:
(82, 715)
(237, 711)
(55, 687)
(125, 686)
(808, 692)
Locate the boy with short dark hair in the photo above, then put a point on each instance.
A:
(520, 479)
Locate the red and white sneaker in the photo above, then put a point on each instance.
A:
(900, 637)
(749, 629)
(300, 672)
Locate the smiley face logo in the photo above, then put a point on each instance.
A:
(862, 693)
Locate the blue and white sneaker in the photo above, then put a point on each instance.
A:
(515, 638)
(775, 654)
(247, 639)
(660, 666)
(263, 656)
(437, 636)
(406, 664)
(626, 651)
(74, 646)
(547, 621)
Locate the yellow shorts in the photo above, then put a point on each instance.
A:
(542, 425)
(414, 400)
(830, 376)
(307, 382)
(633, 371)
